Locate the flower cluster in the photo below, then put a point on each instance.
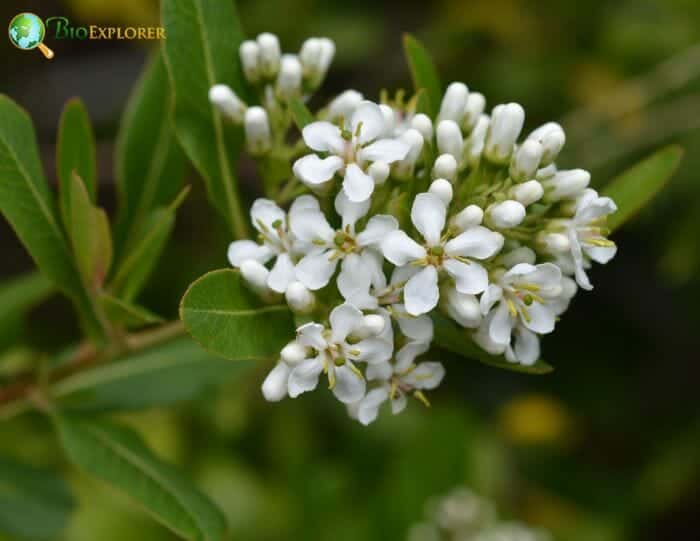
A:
(396, 216)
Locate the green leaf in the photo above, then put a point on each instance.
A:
(124, 313)
(225, 318)
(637, 186)
(201, 51)
(34, 502)
(27, 204)
(177, 371)
(149, 162)
(300, 113)
(119, 457)
(75, 149)
(456, 339)
(423, 73)
(17, 296)
(135, 269)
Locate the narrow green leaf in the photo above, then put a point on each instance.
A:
(149, 162)
(17, 296)
(423, 73)
(164, 375)
(125, 313)
(201, 51)
(301, 114)
(119, 457)
(456, 339)
(225, 318)
(636, 187)
(34, 502)
(75, 148)
(27, 204)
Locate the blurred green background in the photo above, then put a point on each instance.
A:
(605, 448)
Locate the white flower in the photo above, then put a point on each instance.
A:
(455, 256)
(521, 302)
(335, 352)
(276, 241)
(351, 151)
(586, 234)
(328, 246)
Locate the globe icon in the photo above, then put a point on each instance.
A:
(27, 32)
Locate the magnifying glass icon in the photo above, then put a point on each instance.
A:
(27, 32)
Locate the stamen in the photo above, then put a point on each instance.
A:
(420, 396)
(511, 308)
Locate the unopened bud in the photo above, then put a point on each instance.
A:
(442, 189)
(379, 171)
(274, 388)
(506, 122)
(546, 172)
(373, 324)
(566, 184)
(404, 168)
(257, 131)
(449, 139)
(467, 217)
(227, 102)
(424, 125)
(249, 52)
(552, 138)
(474, 146)
(555, 243)
(293, 353)
(344, 104)
(316, 55)
(299, 298)
(463, 308)
(474, 108)
(528, 192)
(522, 254)
(453, 103)
(255, 274)
(445, 167)
(506, 214)
(269, 54)
(289, 77)
(526, 161)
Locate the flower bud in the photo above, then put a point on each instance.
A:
(249, 52)
(546, 172)
(274, 388)
(566, 184)
(445, 167)
(344, 104)
(475, 143)
(506, 122)
(463, 308)
(442, 189)
(289, 77)
(316, 55)
(404, 168)
(468, 217)
(227, 102)
(299, 298)
(379, 171)
(257, 131)
(424, 125)
(255, 274)
(555, 243)
(327, 54)
(269, 54)
(474, 108)
(526, 161)
(293, 353)
(552, 138)
(373, 324)
(453, 103)
(522, 254)
(506, 214)
(527, 193)
(449, 139)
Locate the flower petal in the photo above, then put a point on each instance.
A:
(357, 184)
(344, 319)
(282, 273)
(379, 371)
(477, 242)
(311, 225)
(370, 115)
(323, 136)
(541, 318)
(371, 350)
(385, 150)
(349, 387)
(401, 249)
(577, 254)
(266, 212)
(428, 215)
(426, 375)
(491, 296)
(471, 278)
(418, 328)
(274, 388)
(369, 407)
(527, 347)
(313, 170)
(311, 335)
(398, 403)
(354, 282)
(501, 325)
(304, 376)
(315, 269)
(377, 229)
(241, 250)
(407, 355)
(350, 211)
(421, 293)
(601, 254)
(304, 202)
